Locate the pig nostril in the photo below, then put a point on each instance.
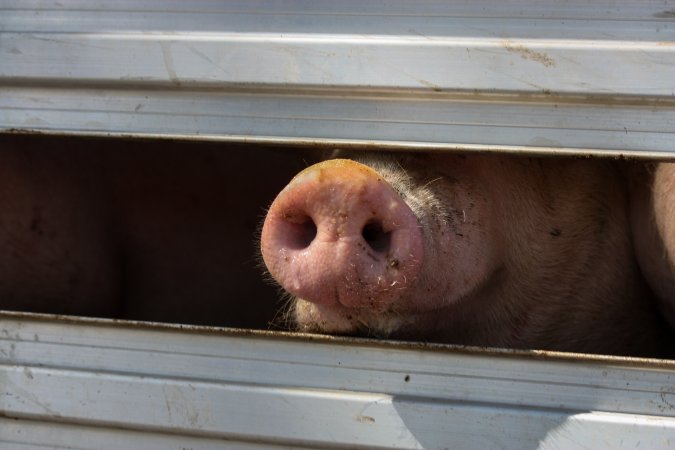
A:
(378, 239)
(300, 232)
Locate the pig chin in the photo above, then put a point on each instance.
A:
(316, 318)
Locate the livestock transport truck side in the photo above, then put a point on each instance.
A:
(153, 136)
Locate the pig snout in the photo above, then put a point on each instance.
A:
(340, 235)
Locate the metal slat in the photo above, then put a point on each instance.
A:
(146, 381)
(466, 379)
(305, 417)
(521, 76)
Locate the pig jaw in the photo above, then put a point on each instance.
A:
(341, 237)
(310, 317)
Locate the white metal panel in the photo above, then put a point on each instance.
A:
(522, 75)
(148, 382)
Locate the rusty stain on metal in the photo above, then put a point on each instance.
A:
(529, 54)
(668, 14)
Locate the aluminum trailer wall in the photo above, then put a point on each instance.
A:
(94, 384)
(521, 76)
(525, 76)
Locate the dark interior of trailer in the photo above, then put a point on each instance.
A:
(139, 229)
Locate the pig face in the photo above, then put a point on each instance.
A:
(481, 250)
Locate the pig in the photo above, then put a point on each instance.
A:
(484, 250)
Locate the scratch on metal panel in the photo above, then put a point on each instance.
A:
(168, 62)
